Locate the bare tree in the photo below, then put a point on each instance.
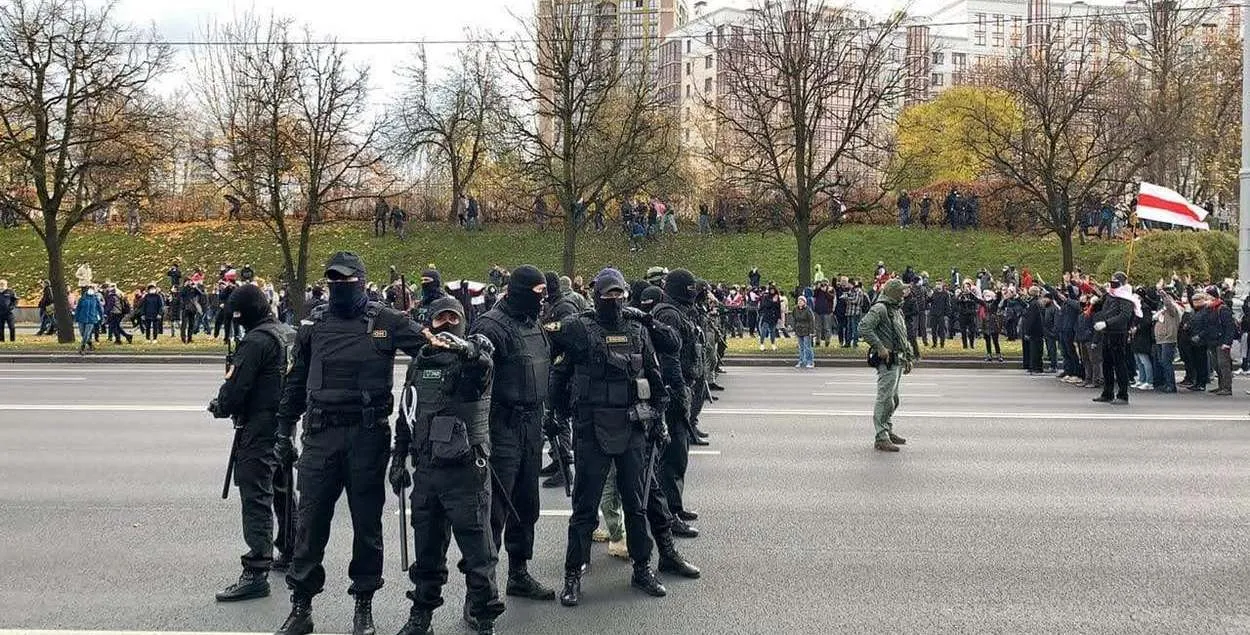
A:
(453, 120)
(294, 143)
(588, 122)
(1081, 131)
(73, 108)
(806, 93)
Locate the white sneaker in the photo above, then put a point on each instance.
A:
(1147, 387)
(774, 347)
(761, 347)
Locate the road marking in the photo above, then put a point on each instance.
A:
(27, 631)
(1123, 413)
(918, 395)
(704, 452)
(25, 378)
(95, 407)
(558, 513)
(874, 383)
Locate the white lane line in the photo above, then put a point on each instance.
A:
(918, 395)
(704, 452)
(558, 513)
(1120, 413)
(93, 407)
(874, 383)
(28, 631)
(25, 378)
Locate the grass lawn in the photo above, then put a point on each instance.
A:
(853, 250)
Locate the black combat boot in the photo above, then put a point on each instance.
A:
(522, 585)
(300, 621)
(688, 515)
(671, 561)
(254, 583)
(572, 593)
(418, 623)
(644, 580)
(683, 530)
(362, 621)
(485, 627)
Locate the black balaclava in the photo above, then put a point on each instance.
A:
(553, 285)
(521, 296)
(635, 293)
(347, 299)
(443, 305)
(608, 311)
(432, 289)
(651, 296)
(249, 306)
(680, 286)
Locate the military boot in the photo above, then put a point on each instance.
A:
(485, 627)
(522, 585)
(644, 580)
(362, 621)
(418, 623)
(671, 561)
(551, 469)
(885, 445)
(683, 530)
(254, 583)
(572, 593)
(300, 621)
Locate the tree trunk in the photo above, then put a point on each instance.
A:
(1065, 245)
(60, 299)
(569, 259)
(803, 240)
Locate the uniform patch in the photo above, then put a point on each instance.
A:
(552, 326)
(617, 339)
(432, 373)
(379, 333)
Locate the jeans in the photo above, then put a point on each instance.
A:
(85, 331)
(806, 356)
(1164, 371)
(1145, 369)
(1071, 361)
(824, 328)
(768, 330)
(852, 334)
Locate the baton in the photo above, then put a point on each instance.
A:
(503, 494)
(234, 451)
(558, 451)
(288, 545)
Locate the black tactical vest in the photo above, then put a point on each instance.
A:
(521, 374)
(351, 364)
(446, 387)
(692, 358)
(607, 378)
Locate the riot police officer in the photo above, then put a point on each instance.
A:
(342, 376)
(561, 303)
(431, 290)
(446, 399)
(250, 394)
(522, 362)
(617, 397)
(687, 389)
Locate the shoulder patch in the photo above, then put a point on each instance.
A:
(617, 339)
(552, 326)
(380, 333)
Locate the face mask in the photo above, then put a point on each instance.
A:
(608, 310)
(456, 329)
(347, 298)
(526, 301)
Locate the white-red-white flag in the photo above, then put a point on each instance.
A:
(1158, 203)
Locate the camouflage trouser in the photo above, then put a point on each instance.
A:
(610, 505)
(888, 380)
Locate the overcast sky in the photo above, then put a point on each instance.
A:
(433, 21)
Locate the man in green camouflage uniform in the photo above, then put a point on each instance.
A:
(885, 331)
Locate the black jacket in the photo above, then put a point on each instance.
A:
(1033, 324)
(1118, 313)
(253, 388)
(8, 302)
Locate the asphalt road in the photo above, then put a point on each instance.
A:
(1017, 506)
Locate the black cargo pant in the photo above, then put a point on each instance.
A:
(341, 457)
(449, 501)
(1115, 365)
(698, 395)
(7, 321)
(516, 442)
(673, 463)
(263, 493)
(592, 465)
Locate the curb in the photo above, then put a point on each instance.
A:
(736, 361)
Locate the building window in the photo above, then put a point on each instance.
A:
(687, 45)
(937, 59)
(707, 62)
(935, 79)
(638, 4)
(687, 90)
(687, 68)
(709, 38)
(980, 38)
(707, 85)
(980, 20)
(960, 60)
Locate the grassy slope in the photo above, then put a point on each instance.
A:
(854, 250)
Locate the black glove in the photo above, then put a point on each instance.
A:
(214, 407)
(551, 424)
(658, 433)
(287, 455)
(638, 314)
(398, 475)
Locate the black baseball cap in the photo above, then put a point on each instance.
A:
(345, 264)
